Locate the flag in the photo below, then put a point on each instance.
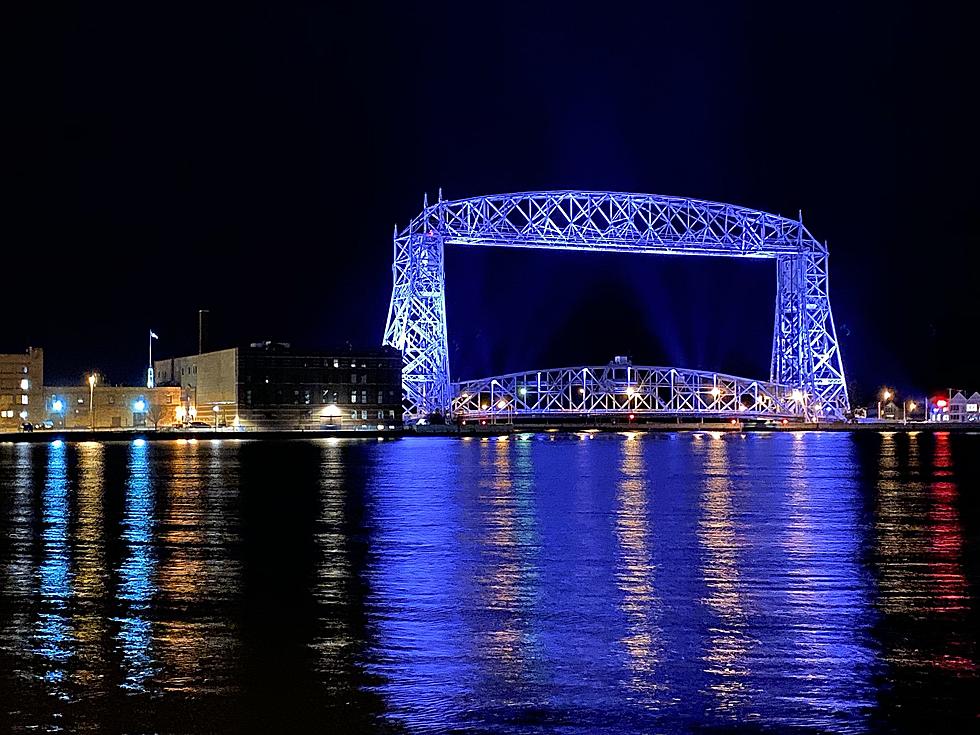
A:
(153, 335)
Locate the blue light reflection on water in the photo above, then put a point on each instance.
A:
(53, 637)
(558, 583)
(138, 586)
(484, 586)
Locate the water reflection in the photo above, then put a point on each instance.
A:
(636, 575)
(137, 583)
(91, 588)
(53, 637)
(506, 578)
(556, 583)
(728, 642)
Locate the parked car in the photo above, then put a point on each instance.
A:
(46, 424)
(27, 426)
(197, 425)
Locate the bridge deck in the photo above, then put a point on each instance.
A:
(620, 389)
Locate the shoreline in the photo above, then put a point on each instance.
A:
(109, 435)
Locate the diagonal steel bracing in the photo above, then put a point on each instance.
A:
(805, 352)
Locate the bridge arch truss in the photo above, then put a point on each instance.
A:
(620, 389)
(805, 352)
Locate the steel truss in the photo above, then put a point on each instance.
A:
(805, 351)
(621, 388)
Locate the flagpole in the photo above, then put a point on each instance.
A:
(149, 369)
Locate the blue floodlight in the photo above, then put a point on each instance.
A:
(139, 406)
(57, 405)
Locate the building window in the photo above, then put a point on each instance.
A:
(306, 396)
(23, 369)
(353, 378)
(336, 362)
(81, 400)
(353, 414)
(25, 384)
(353, 396)
(23, 400)
(6, 414)
(391, 414)
(381, 414)
(363, 396)
(381, 396)
(364, 414)
(170, 398)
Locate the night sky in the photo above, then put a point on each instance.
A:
(253, 162)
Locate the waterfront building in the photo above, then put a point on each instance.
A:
(110, 406)
(963, 408)
(21, 379)
(270, 385)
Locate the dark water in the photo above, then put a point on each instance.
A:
(691, 582)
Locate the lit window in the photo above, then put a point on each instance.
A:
(381, 398)
(364, 397)
(25, 384)
(353, 396)
(23, 400)
(353, 414)
(364, 414)
(381, 414)
(336, 362)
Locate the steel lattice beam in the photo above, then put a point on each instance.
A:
(805, 353)
(622, 388)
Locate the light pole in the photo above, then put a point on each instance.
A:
(217, 410)
(885, 395)
(91, 400)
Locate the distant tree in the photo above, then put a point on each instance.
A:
(155, 412)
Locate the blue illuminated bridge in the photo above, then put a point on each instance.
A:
(806, 378)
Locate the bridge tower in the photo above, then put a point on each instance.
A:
(805, 352)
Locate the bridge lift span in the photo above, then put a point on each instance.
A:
(806, 374)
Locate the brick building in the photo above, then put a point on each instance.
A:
(269, 385)
(21, 379)
(111, 406)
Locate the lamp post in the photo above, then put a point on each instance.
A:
(58, 406)
(885, 395)
(217, 409)
(91, 400)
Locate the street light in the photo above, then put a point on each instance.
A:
(885, 395)
(91, 400)
(906, 407)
